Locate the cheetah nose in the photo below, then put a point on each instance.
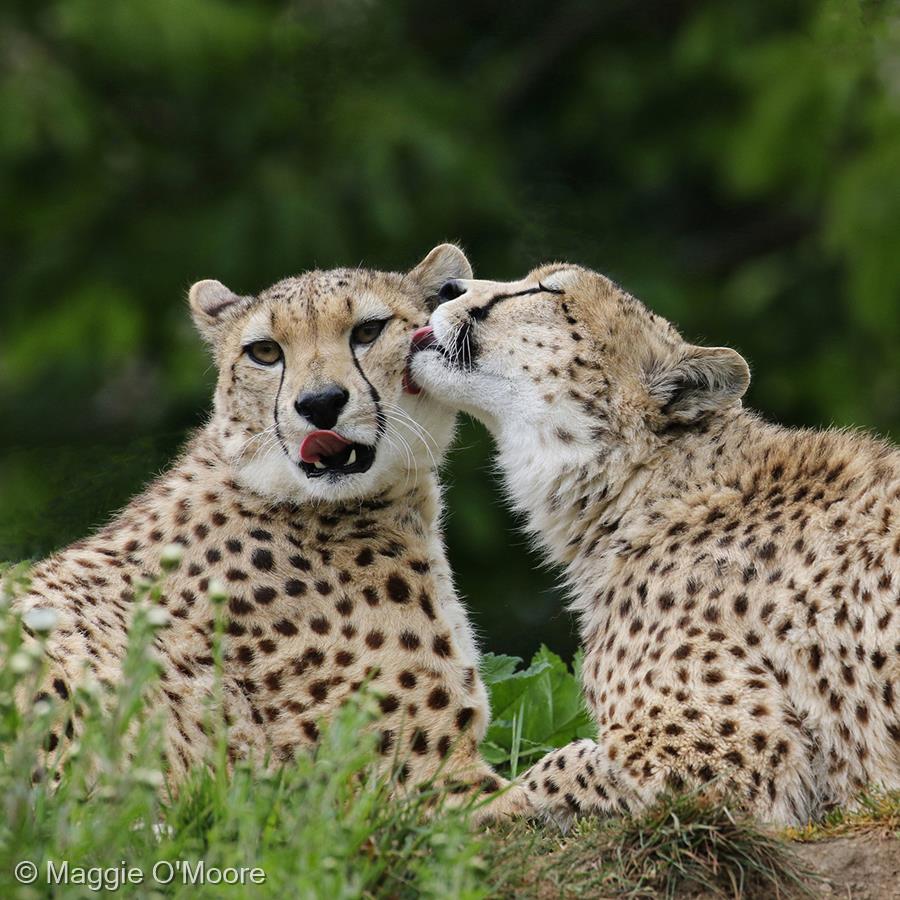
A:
(323, 407)
(450, 290)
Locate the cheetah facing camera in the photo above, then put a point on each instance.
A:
(311, 495)
(737, 583)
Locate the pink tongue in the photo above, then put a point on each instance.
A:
(422, 339)
(321, 443)
(408, 384)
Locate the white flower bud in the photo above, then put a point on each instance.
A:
(41, 619)
(217, 592)
(21, 663)
(151, 777)
(171, 556)
(158, 617)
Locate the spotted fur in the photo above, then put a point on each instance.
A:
(737, 583)
(331, 582)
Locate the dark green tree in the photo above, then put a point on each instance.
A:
(737, 165)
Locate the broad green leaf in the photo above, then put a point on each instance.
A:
(497, 667)
(535, 709)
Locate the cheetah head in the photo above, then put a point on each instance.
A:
(312, 401)
(565, 366)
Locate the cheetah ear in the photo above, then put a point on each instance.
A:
(702, 381)
(443, 264)
(212, 304)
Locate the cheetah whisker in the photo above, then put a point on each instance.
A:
(391, 434)
(404, 419)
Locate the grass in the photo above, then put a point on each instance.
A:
(324, 826)
(328, 824)
(680, 844)
(874, 812)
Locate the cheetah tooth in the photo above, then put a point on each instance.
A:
(352, 457)
(319, 464)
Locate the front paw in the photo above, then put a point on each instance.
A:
(511, 802)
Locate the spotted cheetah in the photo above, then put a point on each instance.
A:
(737, 583)
(311, 496)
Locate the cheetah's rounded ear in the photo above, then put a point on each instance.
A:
(443, 264)
(211, 305)
(703, 380)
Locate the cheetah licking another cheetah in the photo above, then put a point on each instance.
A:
(737, 583)
(311, 496)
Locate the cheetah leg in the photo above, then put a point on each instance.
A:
(579, 779)
(190, 733)
(465, 779)
(494, 798)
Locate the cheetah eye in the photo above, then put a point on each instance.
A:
(266, 353)
(367, 332)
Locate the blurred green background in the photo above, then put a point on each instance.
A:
(736, 165)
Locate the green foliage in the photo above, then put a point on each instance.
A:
(533, 709)
(737, 165)
(324, 826)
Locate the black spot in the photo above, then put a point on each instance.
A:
(294, 588)
(389, 704)
(409, 640)
(320, 625)
(262, 559)
(264, 595)
(285, 627)
(398, 589)
(419, 741)
(438, 698)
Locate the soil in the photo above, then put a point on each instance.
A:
(860, 867)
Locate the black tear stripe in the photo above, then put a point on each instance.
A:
(380, 420)
(466, 348)
(281, 440)
(480, 313)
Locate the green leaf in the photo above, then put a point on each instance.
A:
(535, 709)
(498, 667)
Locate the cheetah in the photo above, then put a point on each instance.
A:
(737, 583)
(311, 497)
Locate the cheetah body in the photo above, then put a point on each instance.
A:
(331, 583)
(737, 583)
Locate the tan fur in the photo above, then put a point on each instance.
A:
(323, 594)
(737, 583)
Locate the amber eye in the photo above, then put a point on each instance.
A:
(266, 353)
(366, 332)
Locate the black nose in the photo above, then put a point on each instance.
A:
(450, 290)
(323, 407)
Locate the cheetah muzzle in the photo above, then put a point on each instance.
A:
(328, 454)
